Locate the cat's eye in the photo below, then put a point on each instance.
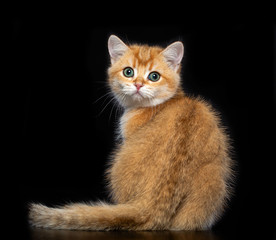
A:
(154, 76)
(128, 72)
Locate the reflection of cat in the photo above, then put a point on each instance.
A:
(122, 235)
(172, 169)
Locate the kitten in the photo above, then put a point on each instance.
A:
(172, 170)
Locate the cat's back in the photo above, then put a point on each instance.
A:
(178, 122)
(184, 131)
(190, 128)
(185, 112)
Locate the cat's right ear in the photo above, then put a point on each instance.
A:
(116, 48)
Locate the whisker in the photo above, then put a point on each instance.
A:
(122, 97)
(106, 94)
(106, 106)
(111, 112)
(118, 107)
(116, 99)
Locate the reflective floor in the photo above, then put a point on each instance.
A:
(41, 234)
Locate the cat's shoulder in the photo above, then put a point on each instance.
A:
(193, 102)
(195, 107)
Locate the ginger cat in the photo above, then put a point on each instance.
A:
(172, 170)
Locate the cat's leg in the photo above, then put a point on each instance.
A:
(205, 202)
(89, 217)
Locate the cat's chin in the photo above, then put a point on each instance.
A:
(138, 97)
(137, 101)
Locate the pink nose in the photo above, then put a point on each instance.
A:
(138, 86)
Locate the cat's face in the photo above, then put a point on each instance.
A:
(143, 76)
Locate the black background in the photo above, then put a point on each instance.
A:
(63, 136)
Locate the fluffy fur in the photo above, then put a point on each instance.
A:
(172, 170)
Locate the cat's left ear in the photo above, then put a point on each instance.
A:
(173, 54)
(116, 48)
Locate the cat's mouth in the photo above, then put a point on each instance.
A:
(137, 93)
(138, 96)
(131, 96)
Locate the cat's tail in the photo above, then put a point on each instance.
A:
(89, 217)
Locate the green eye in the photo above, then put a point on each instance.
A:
(154, 76)
(128, 72)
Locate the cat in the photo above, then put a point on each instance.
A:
(172, 169)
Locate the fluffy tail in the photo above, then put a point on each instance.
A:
(88, 217)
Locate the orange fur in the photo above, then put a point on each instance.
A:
(172, 170)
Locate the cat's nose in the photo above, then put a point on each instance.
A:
(138, 86)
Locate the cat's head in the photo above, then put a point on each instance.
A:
(143, 76)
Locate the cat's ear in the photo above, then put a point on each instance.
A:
(116, 48)
(173, 54)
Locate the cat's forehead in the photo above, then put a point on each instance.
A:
(144, 55)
